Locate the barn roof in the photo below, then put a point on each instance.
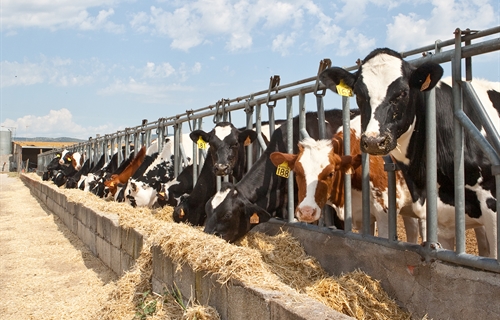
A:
(43, 144)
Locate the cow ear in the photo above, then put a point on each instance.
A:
(426, 76)
(349, 163)
(197, 134)
(335, 76)
(278, 158)
(255, 215)
(247, 137)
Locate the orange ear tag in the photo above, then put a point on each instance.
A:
(247, 141)
(283, 170)
(254, 219)
(426, 83)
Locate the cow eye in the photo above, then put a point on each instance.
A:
(332, 174)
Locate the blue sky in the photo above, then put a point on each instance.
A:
(79, 68)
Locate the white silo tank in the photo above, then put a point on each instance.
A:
(5, 141)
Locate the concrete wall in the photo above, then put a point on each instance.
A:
(118, 248)
(438, 290)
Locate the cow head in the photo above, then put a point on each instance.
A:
(230, 216)
(388, 93)
(183, 213)
(227, 143)
(54, 163)
(318, 172)
(77, 160)
(65, 159)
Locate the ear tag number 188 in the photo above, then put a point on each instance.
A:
(283, 170)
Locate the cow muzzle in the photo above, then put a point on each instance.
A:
(376, 145)
(222, 169)
(307, 214)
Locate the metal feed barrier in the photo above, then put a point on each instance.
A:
(252, 105)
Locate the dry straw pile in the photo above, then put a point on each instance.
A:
(258, 260)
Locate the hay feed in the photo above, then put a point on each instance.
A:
(276, 263)
(355, 294)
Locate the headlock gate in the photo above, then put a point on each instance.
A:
(253, 104)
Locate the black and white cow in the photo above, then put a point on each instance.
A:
(171, 192)
(235, 209)
(143, 190)
(53, 166)
(226, 156)
(389, 93)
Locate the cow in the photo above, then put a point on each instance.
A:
(142, 190)
(171, 192)
(69, 167)
(121, 178)
(319, 168)
(261, 188)
(390, 94)
(53, 166)
(73, 181)
(226, 156)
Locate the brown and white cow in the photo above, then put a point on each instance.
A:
(319, 169)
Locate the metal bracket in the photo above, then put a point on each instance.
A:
(389, 165)
(274, 83)
(323, 65)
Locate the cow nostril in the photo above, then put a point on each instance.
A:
(382, 143)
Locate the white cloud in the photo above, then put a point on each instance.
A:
(191, 24)
(282, 43)
(57, 123)
(163, 70)
(60, 14)
(413, 30)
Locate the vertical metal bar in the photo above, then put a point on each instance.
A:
(458, 147)
(302, 117)
(195, 155)
(321, 116)
(105, 145)
(365, 186)
(271, 119)
(258, 129)
(249, 151)
(346, 120)
(177, 140)
(390, 167)
(468, 61)
(289, 134)
(127, 144)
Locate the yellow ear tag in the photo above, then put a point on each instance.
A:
(283, 170)
(344, 90)
(201, 143)
(426, 83)
(58, 156)
(69, 159)
(247, 141)
(254, 219)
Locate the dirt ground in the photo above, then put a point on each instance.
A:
(46, 272)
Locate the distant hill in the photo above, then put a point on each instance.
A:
(44, 139)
